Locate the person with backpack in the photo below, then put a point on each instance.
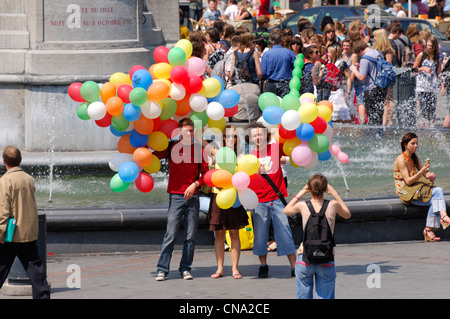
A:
(377, 75)
(247, 67)
(315, 260)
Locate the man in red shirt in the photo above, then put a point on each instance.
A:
(186, 170)
(270, 207)
(264, 8)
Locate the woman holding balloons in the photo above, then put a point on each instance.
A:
(233, 218)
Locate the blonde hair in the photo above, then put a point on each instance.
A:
(382, 42)
(335, 53)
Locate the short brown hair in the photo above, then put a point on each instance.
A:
(262, 19)
(185, 122)
(317, 185)
(359, 46)
(12, 156)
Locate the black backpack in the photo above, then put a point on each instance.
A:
(241, 73)
(318, 241)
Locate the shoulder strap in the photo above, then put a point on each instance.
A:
(275, 188)
(249, 54)
(322, 210)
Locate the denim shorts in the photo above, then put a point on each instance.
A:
(359, 95)
(262, 215)
(323, 276)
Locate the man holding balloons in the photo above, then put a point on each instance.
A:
(270, 207)
(186, 170)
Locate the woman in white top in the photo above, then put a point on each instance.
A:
(325, 274)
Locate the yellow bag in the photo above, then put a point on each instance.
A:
(245, 235)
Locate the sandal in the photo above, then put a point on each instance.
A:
(445, 221)
(430, 238)
(237, 276)
(216, 275)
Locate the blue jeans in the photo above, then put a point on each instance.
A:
(178, 206)
(437, 204)
(262, 215)
(323, 275)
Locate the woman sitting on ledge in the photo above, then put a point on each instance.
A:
(414, 185)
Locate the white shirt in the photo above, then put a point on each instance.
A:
(231, 11)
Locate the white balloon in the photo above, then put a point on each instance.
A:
(290, 120)
(177, 91)
(118, 159)
(96, 110)
(151, 109)
(248, 198)
(215, 111)
(198, 102)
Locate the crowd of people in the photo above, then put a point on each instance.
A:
(333, 51)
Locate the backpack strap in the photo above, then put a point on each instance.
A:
(322, 210)
(275, 188)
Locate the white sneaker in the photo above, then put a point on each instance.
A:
(186, 275)
(161, 276)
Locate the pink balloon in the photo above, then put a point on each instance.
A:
(305, 100)
(342, 157)
(195, 66)
(334, 149)
(301, 154)
(240, 180)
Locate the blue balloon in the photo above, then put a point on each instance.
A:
(118, 133)
(229, 98)
(137, 139)
(305, 132)
(131, 112)
(142, 78)
(237, 203)
(325, 156)
(272, 114)
(128, 172)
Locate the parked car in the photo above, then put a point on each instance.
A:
(444, 43)
(315, 15)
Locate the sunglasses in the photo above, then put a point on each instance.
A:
(331, 31)
(316, 52)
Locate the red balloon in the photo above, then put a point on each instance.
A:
(285, 134)
(207, 177)
(161, 54)
(156, 123)
(179, 74)
(144, 182)
(319, 125)
(229, 112)
(74, 92)
(193, 84)
(135, 68)
(104, 122)
(168, 126)
(124, 92)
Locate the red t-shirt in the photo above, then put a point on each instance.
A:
(264, 8)
(271, 161)
(186, 166)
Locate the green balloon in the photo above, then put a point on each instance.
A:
(176, 56)
(319, 143)
(297, 72)
(119, 122)
(117, 185)
(169, 107)
(138, 96)
(267, 99)
(226, 159)
(200, 119)
(294, 83)
(82, 111)
(290, 102)
(295, 92)
(90, 91)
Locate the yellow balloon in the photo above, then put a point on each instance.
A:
(226, 197)
(292, 162)
(309, 95)
(289, 145)
(186, 45)
(158, 141)
(162, 70)
(154, 166)
(219, 124)
(119, 77)
(308, 112)
(211, 87)
(325, 112)
(248, 163)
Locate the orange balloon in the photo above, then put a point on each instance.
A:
(107, 91)
(142, 156)
(124, 146)
(278, 138)
(158, 91)
(222, 178)
(183, 106)
(114, 105)
(150, 69)
(326, 103)
(143, 125)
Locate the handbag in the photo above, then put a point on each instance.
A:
(246, 235)
(10, 227)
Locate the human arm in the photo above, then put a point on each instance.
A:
(258, 69)
(403, 169)
(355, 68)
(341, 207)
(294, 206)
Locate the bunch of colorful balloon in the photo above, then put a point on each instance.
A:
(143, 109)
(304, 127)
(233, 177)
